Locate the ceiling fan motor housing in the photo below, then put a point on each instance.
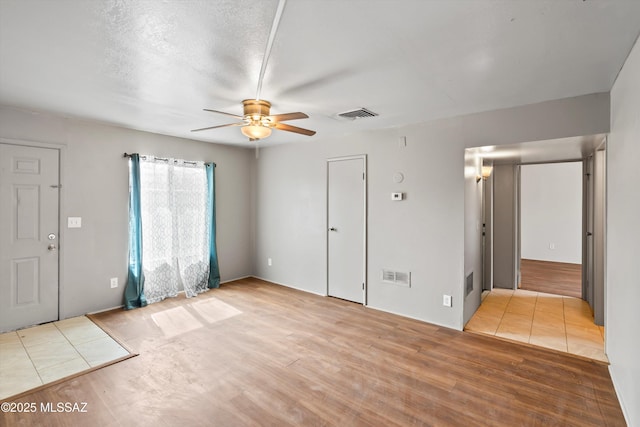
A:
(256, 107)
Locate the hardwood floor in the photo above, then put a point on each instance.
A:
(255, 353)
(551, 277)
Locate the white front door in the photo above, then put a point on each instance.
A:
(346, 228)
(29, 180)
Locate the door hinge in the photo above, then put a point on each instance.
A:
(363, 286)
(56, 186)
(363, 176)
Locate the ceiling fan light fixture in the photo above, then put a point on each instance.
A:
(254, 131)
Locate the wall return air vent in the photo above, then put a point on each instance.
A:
(359, 113)
(399, 278)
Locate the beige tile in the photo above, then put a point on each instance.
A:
(101, 351)
(8, 338)
(496, 302)
(524, 308)
(514, 326)
(14, 357)
(490, 311)
(558, 344)
(549, 337)
(8, 350)
(49, 354)
(589, 331)
(62, 370)
(79, 330)
(18, 380)
(547, 318)
(483, 325)
(37, 335)
(585, 340)
(549, 305)
(591, 352)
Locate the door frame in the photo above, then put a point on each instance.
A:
(363, 157)
(62, 153)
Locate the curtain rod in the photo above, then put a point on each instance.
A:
(167, 160)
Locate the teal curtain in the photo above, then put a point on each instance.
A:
(214, 271)
(133, 293)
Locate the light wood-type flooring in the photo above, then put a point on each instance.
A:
(547, 320)
(257, 354)
(551, 277)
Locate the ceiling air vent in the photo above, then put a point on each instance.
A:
(397, 278)
(360, 113)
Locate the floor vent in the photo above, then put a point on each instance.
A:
(397, 278)
(469, 284)
(360, 113)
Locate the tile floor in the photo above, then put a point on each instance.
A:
(552, 321)
(42, 354)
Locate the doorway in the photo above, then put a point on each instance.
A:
(29, 235)
(551, 228)
(346, 228)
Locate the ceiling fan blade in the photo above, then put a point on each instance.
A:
(288, 116)
(294, 129)
(222, 112)
(219, 126)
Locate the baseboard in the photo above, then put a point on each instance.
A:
(289, 286)
(625, 413)
(431, 322)
(103, 310)
(237, 278)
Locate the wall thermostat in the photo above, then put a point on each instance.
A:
(396, 196)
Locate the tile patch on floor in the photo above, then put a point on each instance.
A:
(552, 321)
(42, 354)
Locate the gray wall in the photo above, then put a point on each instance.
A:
(472, 232)
(505, 223)
(424, 234)
(551, 212)
(623, 237)
(95, 187)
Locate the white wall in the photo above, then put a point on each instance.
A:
(551, 212)
(424, 234)
(623, 238)
(95, 187)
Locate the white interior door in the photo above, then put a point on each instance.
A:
(346, 228)
(29, 181)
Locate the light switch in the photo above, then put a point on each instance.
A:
(74, 222)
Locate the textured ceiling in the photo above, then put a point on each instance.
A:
(153, 65)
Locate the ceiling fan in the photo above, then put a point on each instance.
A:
(257, 121)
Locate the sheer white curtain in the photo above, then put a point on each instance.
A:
(175, 227)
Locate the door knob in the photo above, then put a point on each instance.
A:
(333, 229)
(51, 247)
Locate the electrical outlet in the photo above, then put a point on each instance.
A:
(269, 263)
(446, 300)
(552, 246)
(74, 222)
(114, 282)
